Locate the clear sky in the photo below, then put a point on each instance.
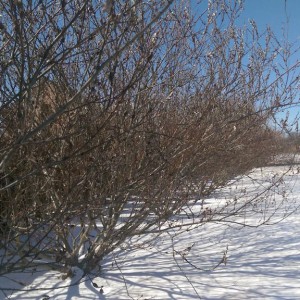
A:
(278, 14)
(283, 16)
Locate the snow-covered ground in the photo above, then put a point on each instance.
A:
(212, 261)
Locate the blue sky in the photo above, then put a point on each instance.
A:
(276, 13)
(283, 16)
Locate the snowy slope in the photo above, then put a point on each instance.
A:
(213, 261)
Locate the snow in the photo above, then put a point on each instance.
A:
(215, 260)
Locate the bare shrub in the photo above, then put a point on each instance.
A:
(112, 114)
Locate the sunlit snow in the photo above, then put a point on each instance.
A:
(215, 260)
